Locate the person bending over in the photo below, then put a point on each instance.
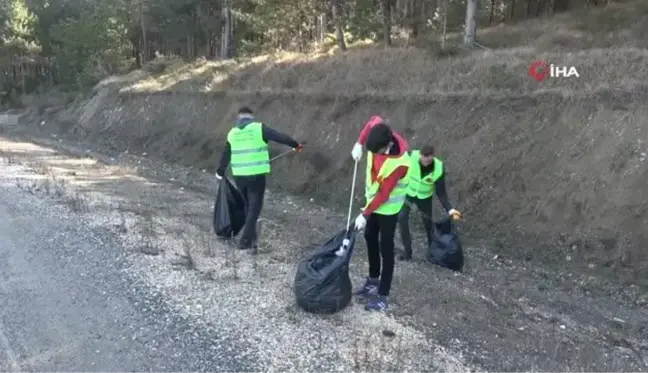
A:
(385, 191)
(426, 177)
(247, 152)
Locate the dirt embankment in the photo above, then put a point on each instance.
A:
(554, 171)
(539, 177)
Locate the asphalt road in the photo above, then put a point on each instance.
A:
(66, 304)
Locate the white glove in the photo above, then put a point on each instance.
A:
(356, 153)
(219, 177)
(360, 222)
(454, 214)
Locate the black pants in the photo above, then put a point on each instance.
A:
(253, 190)
(425, 207)
(379, 234)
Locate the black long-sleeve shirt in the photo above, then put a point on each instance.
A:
(439, 185)
(269, 134)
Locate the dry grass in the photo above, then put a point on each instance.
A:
(606, 46)
(148, 234)
(57, 190)
(9, 157)
(41, 168)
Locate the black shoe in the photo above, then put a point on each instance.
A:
(255, 243)
(244, 245)
(404, 256)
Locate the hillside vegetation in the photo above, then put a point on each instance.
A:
(607, 47)
(552, 171)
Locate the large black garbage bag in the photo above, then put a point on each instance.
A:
(322, 283)
(446, 249)
(229, 210)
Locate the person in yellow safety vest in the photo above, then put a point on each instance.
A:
(385, 191)
(247, 150)
(426, 177)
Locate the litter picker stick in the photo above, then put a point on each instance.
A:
(345, 243)
(285, 153)
(353, 183)
(282, 154)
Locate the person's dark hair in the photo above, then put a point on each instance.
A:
(245, 110)
(379, 137)
(427, 150)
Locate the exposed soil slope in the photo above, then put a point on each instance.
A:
(535, 174)
(543, 171)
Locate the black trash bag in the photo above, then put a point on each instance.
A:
(229, 210)
(446, 250)
(322, 283)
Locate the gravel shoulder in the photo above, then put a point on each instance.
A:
(68, 304)
(441, 321)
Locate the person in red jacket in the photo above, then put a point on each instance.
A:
(379, 228)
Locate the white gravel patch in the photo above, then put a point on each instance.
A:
(253, 300)
(258, 306)
(264, 314)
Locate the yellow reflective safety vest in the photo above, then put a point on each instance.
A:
(250, 154)
(397, 196)
(418, 187)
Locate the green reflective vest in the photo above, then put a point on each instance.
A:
(397, 197)
(418, 187)
(249, 152)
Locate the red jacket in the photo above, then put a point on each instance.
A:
(389, 183)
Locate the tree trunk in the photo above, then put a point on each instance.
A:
(385, 9)
(418, 20)
(300, 36)
(444, 26)
(151, 48)
(137, 53)
(560, 6)
(145, 46)
(226, 34)
(512, 12)
(198, 35)
(491, 18)
(313, 30)
(541, 4)
(414, 31)
(213, 46)
(323, 23)
(196, 43)
(339, 26)
(470, 31)
(529, 9)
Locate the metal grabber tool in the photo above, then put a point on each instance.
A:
(281, 155)
(345, 243)
(285, 153)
